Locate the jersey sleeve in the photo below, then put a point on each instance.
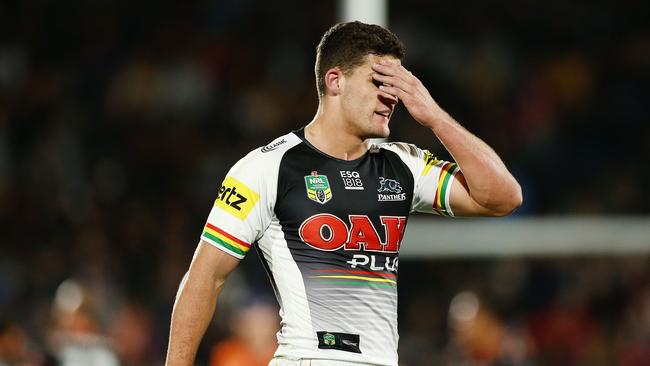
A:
(433, 179)
(241, 212)
(433, 186)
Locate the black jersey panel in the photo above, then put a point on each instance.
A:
(343, 222)
(375, 186)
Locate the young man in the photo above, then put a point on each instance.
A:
(327, 211)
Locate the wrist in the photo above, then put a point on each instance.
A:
(437, 120)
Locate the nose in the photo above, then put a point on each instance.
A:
(388, 102)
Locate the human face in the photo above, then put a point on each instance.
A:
(366, 111)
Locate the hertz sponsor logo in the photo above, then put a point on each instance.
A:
(236, 198)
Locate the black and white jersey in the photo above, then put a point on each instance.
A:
(329, 232)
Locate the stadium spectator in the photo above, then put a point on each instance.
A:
(253, 341)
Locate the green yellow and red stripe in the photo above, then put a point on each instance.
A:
(441, 200)
(235, 246)
(355, 272)
(356, 277)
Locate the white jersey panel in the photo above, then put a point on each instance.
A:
(433, 178)
(244, 205)
(296, 333)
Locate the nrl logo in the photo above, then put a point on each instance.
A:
(318, 188)
(390, 190)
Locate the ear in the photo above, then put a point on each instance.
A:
(334, 80)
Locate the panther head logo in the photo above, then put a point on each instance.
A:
(389, 185)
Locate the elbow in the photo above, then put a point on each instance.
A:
(511, 200)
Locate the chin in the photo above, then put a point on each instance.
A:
(384, 129)
(379, 133)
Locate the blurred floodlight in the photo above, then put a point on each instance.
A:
(69, 296)
(367, 11)
(464, 307)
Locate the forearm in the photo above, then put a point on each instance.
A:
(489, 182)
(193, 311)
(492, 189)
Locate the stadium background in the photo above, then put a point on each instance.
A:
(119, 119)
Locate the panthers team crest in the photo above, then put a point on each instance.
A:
(318, 188)
(390, 190)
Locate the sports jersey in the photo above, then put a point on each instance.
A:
(328, 233)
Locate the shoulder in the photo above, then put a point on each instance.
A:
(415, 158)
(402, 149)
(267, 156)
(255, 176)
(408, 153)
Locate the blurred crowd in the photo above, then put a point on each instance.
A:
(502, 312)
(513, 312)
(119, 119)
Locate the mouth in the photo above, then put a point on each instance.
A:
(384, 114)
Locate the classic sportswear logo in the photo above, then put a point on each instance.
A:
(390, 190)
(273, 146)
(236, 198)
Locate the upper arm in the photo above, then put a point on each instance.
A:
(242, 209)
(440, 187)
(462, 202)
(210, 262)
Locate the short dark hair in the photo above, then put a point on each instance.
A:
(346, 44)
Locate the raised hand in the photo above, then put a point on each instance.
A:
(397, 82)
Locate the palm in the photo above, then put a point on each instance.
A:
(398, 82)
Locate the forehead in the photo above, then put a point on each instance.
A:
(371, 58)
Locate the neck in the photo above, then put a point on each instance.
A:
(330, 133)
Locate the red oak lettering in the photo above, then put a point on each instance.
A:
(328, 232)
(394, 227)
(311, 232)
(362, 232)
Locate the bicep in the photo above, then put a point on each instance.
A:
(212, 262)
(461, 202)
